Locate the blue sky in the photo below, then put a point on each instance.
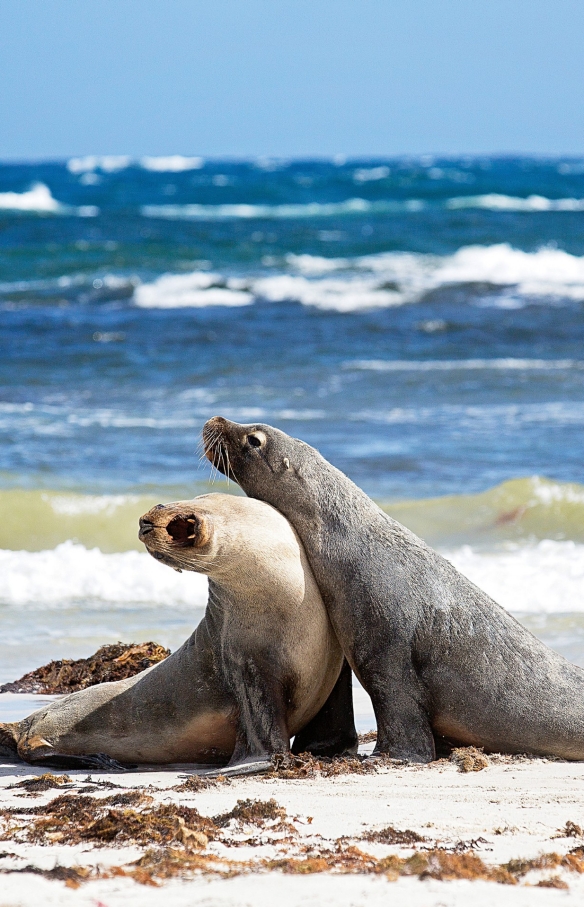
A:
(290, 77)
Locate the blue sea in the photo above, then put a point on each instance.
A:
(419, 320)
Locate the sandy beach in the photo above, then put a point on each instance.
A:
(311, 840)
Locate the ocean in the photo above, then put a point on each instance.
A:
(419, 320)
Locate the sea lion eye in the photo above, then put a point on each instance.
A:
(256, 439)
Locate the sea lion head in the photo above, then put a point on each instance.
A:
(264, 461)
(180, 535)
(222, 535)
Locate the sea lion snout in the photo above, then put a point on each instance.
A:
(168, 527)
(145, 527)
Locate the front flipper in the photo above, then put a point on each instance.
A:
(261, 712)
(405, 733)
(332, 730)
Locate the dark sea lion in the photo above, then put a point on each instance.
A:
(439, 658)
(256, 670)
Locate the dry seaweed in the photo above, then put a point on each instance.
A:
(40, 783)
(71, 819)
(252, 812)
(367, 737)
(195, 783)
(392, 835)
(469, 759)
(304, 765)
(552, 882)
(570, 830)
(72, 876)
(112, 662)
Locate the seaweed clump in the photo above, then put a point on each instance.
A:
(111, 662)
(72, 819)
(469, 759)
(252, 812)
(304, 765)
(41, 783)
(392, 835)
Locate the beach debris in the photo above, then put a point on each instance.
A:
(194, 783)
(304, 765)
(552, 882)
(570, 830)
(124, 818)
(41, 783)
(72, 876)
(111, 662)
(367, 737)
(392, 835)
(252, 812)
(469, 759)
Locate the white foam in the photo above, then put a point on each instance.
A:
(547, 577)
(199, 288)
(533, 203)
(449, 365)
(488, 418)
(338, 294)
(71, 574)
(388, 279)
(174, 163)
(38, 200)
(544, 578)
(370, 174)
(107, 163)
(248, 212)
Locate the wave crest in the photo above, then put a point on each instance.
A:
(504, 277)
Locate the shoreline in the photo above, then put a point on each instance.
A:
(513, 810)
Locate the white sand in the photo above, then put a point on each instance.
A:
(516, 807)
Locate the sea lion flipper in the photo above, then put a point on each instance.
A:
(332, 731)
(403, 725)
(261, 710)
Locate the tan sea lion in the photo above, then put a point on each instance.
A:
(439, 658)
(256, 670)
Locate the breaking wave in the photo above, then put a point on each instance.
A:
(532, 204)
(71, 573)
(38, 200)
(547, 577)
(527, 509)
(501, 276)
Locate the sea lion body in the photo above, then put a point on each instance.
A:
(438, 657)
(256, 670)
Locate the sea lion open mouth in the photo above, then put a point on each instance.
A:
(184, 530)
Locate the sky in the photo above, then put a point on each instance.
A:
(290, 78)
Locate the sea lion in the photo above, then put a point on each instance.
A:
(256, 670)
(439, 658)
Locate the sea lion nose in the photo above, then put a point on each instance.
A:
(145, 526)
